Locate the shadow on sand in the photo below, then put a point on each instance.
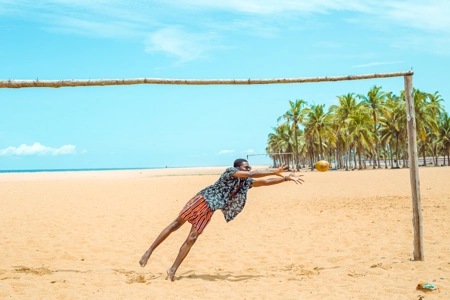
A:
(216, 277)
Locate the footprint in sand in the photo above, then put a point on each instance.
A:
(307, 273)
(136, 278)
(299, 270)
(133, 277)
(34, 271)
(355, 274)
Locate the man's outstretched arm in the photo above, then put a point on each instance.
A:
(259, 173)
(272, 181)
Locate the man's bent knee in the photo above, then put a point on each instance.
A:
(192, 238)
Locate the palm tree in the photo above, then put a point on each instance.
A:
(387, 133)
(280, 141)
(359, 129)
(302, 147)
(435, 102)
(295, 114)
(318, 124)
(426, 118)
(340, 113)
(444, 135)
(437, 108)
(393, 124)
(375, 101)
(359, 125)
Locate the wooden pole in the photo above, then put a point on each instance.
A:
(102, 82)
(414, 169)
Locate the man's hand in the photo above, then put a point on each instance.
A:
(296, 179)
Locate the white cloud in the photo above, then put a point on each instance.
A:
(64, 150)
(248, 25)
(428, 15)
(262, 7)
(37, 149)
(225, 152)
(95, 28)
(432, 14)
(437, 44)
(136, 19)
(180, 43)
(378, 64)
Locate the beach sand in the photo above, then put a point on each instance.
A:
(340, 235)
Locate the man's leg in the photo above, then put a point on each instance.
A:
(162, 236)
(184, 250)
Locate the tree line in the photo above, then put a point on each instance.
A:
(361, 131)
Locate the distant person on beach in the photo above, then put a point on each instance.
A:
(228, 194)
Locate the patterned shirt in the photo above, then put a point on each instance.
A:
(217, 196)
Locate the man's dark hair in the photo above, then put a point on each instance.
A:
(238, 162)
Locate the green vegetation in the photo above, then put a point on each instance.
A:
(361, 130)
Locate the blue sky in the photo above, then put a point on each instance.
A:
(158, 126)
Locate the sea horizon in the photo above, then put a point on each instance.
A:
(102, 169)
(75, 170)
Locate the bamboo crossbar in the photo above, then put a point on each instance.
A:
(104, 82)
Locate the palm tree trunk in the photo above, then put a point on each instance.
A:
(385, 158)
(404, 159)
(337, 159)
(448, 156)
(396, 154)
(296, 145)
(363, 157)
(349, 151)
(390, 154)
(405, 155)
(320, 147)
(359, 157)
(347, 160)
(424, 158)
(378, 156)
(375, 160)
(435, 156)
(375, 131)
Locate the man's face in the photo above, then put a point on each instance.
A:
(244, 167)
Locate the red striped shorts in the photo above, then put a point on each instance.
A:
(197, 212)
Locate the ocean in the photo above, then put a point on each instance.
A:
(74, 170)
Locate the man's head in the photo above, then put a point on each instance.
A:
(242, 164)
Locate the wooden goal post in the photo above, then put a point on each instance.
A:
(410, 113)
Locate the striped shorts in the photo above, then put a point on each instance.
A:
(197, 212)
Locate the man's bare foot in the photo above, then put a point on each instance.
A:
(170, 274)
(144, 259)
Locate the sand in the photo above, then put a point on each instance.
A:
(340, 235)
